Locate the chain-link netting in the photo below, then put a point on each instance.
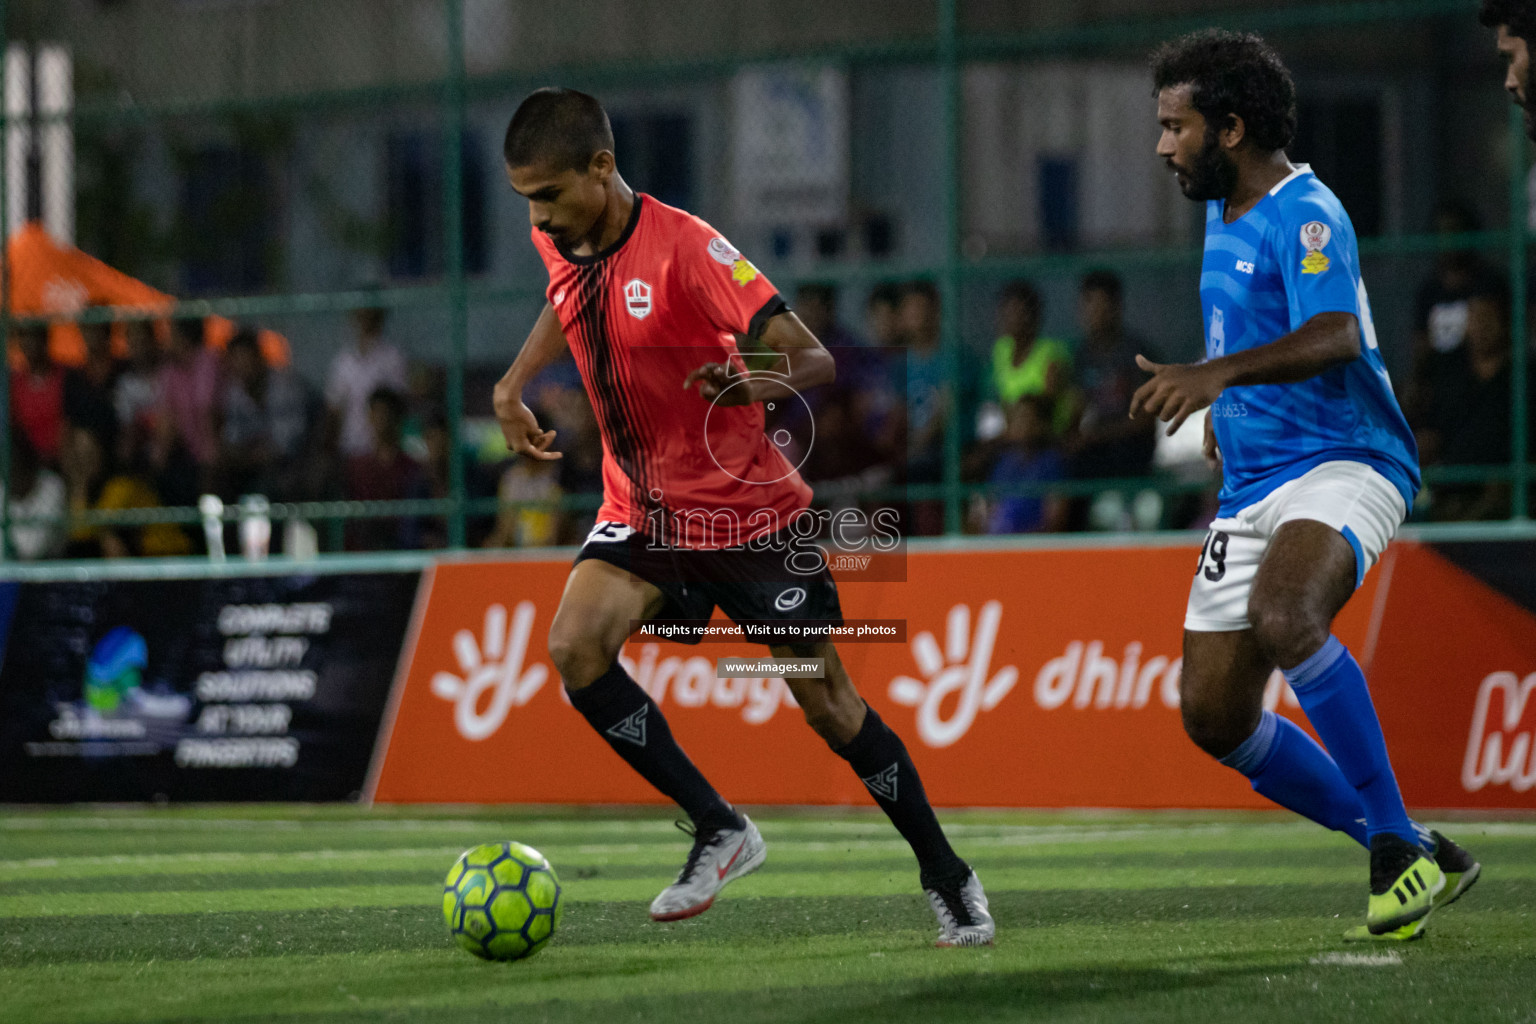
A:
(250, 209)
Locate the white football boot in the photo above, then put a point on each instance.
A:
(715, 860)
(962, 914)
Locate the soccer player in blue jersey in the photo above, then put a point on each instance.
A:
(1319, 469)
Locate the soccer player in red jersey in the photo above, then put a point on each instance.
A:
(698, 503)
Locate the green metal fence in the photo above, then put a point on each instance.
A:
(949, 44)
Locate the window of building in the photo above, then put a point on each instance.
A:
(227, 220)
(414, 197)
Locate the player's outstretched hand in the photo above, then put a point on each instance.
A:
(1176, 391)
(714, 381)
(521, 429)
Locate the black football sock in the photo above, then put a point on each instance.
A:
(883, 765)
(625, 716)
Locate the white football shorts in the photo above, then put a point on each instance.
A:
(1351, 497)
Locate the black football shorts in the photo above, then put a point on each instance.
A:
(750, 584)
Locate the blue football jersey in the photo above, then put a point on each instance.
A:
(1283, 262)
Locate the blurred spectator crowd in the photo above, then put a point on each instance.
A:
(157, 414)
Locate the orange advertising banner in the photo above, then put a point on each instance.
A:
(1026, 678)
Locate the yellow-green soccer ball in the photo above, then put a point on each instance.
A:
(502, 901)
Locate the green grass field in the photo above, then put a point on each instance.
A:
(332, 914)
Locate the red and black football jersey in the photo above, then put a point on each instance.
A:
(670, 295)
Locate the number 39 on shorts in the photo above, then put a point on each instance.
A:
(1213, 556)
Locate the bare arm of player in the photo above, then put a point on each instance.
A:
(545, 344)
(1177, 390)
(807, 364)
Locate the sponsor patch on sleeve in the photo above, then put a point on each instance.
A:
(1314, 263)
(1315, 236)
(743, 272)
(722, 252)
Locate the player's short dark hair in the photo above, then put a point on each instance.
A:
(1232, 73)
(1519, 16)
(562, 128)
(1103, 280)
(1023, 292)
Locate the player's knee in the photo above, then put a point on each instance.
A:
(577, 656)
(824, 721)
(827, 716)
(1287, 632)
(1210, 727)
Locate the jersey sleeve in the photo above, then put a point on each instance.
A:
(1318, 261)
(735, 296)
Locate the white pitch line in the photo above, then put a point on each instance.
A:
(892, 844)
(628, 827)
(139, 859)
(41, 823)
(1358, 960)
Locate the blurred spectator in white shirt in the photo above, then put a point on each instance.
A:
(39, 492)
(360, 370)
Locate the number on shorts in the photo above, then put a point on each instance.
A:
(609, 532)
(1214, 551)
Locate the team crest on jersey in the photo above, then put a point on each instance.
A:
(559, 296)
(637, 298)
(723, 252)
(743, 272)
(1315, 235)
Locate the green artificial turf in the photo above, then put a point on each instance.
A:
(318, 914)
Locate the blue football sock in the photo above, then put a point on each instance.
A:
(1332, 691)
(1285, 765)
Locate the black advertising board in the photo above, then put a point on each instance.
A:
(228, 688)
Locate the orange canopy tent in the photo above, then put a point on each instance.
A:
(53, 279)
